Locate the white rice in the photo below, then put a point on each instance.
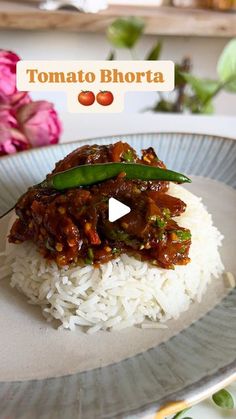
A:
(125, 291)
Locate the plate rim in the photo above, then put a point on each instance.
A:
(45, 147)
(199, 389)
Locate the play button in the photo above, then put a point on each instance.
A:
(116, 210)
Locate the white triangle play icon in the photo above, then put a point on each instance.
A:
(116, 209)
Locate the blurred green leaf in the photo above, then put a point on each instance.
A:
(206, 108)
(223, 399)
(155, 52)
(196, 106)
(111, 56)
(226, 66)
(204, 89)
(125, 32)
(163, 106)
(180, 414)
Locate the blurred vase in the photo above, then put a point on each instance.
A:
(87, 6)
(192, 3)
(224, 4)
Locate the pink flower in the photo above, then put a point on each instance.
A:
(40, 123)
(11, 139)
(8, 91)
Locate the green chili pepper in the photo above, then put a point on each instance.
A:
(90, 253)
(90, 174)
(90, 256)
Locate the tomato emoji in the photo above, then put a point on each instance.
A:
(86, 98)
(105, 98)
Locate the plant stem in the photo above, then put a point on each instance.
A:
(178, 105)
(133, 54)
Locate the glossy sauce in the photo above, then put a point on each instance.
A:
(73, 227)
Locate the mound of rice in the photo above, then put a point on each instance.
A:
(123, 292)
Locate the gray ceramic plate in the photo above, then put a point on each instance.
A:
(166, 378)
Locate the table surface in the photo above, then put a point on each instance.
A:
(79, 127)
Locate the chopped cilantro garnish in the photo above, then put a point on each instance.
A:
(115, 251)
(119, 235)
(182, 250)
(182, 235)
(166, 213)
(158, 221)
(161, 236)
(128, 156)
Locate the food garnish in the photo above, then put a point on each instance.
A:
(90, 174)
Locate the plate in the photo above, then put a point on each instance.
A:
(180, 367)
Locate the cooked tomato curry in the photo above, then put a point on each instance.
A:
(72, 226)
